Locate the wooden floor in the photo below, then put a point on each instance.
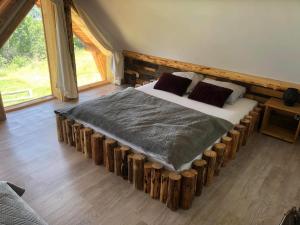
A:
(65, 188)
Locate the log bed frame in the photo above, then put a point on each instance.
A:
(176, 190)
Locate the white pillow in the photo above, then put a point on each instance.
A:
(195, 77)
(238, 90)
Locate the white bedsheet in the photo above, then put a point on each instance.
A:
(232, 113)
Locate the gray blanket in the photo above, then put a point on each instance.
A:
(168, 131)
(14, 211)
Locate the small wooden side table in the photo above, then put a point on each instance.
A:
(281, 121)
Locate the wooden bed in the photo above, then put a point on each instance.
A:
(175, 189)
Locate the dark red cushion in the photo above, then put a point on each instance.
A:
(171, 83)
(210, 94)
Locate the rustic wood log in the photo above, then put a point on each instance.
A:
(210, 157)
(59, 126)
(109, 145)
(69, 130)
(255, 116)
(124, 167)
(187, 189)
(130, 167)
(147, 177)
(97, 148)
(228, 142)
(82, 139)
(251, 119)
(242, 129)
(163, 195)
(174, 190)
(196, 177)
(64, 129)
(246, 123)
(219, 148)
(138, 171)
(200, 166)
(235, 135)
(87, 133)
(259, 110)
(76, 132)
(155, 180)
(118, 161)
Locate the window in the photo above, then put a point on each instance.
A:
(24, 73)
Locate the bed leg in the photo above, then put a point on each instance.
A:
(246, 123)
(210, 157)
(187, 189)
(147, 177)
(138, 171)
(242, 129)
(87, 133)
(255, 115)
(219, 148)
(164, 186)
(69, 124)
(235, 135)
(76, 131)
(109, 144)
(174, 189)
(118, 161)
(259, 110)
(97, 148)
(124, 167)
(155, 180)
(81, 132)
(130, 167)
(228, 142)
(200, 166)
(251, 119)
(59, 126)
(64, 129)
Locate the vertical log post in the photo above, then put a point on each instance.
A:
(235, 135)
(210, 157)
(187, 189)
(130, 167)
(138, 171)
(242, 129)
(59, 126)
(251, 119)
(109, 145)
(64, 129)
(200, 166)
(219, 148)
(155, 180)
(97, 148)
(69, 125)
(76, 132)
(82, 139)
(174, 190)
(228, 142)
(246, 123)
(164, 186)
(259, 110)
(118, 161)
(87, 133)
(255, 115)
(124, 167)
(147, 177)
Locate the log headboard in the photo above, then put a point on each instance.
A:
(258, 88)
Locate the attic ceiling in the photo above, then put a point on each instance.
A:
(254, 37)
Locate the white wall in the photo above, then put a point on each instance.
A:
(260, 37)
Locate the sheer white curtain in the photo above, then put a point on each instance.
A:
(115, 62)
(62, 71)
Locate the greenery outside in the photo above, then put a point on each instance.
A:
(24, 73)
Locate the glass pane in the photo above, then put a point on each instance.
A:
(87, 71)
(24, 73)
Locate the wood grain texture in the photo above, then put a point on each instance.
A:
(65, 188)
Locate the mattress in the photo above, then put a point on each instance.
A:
(232, 113)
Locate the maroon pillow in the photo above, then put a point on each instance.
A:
(171, 83)
(210, 94)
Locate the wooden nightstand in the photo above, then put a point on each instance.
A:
(281, 121)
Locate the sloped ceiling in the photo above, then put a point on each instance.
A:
(260, 37)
